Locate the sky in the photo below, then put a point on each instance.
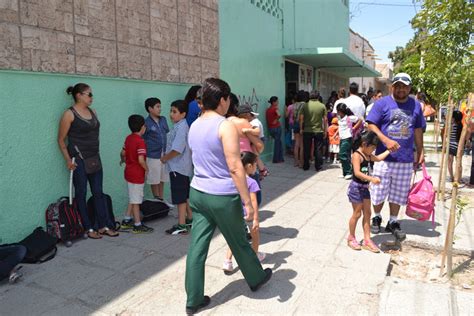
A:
(384, 23)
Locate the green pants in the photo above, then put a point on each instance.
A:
(224, 212)
(345, 149)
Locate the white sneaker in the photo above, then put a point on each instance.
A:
(227, 266)
(348, 177)
(261, 256)
(340, 176)
(170, 205)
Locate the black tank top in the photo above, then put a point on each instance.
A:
(83, 134)
(364, 168)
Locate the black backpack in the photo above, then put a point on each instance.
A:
(63, 220)
(40, 246)
(153, 209)
(92, 211)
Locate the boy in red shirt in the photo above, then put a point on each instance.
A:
(134, 156)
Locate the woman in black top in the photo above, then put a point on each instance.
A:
(80, 125)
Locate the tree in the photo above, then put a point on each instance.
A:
(439, 56)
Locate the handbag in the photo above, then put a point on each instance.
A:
(39, 244)
(92, 164)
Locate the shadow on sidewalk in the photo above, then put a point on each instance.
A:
(283, 290)
(420, 228)
(275, 233)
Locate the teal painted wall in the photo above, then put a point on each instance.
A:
(315, 23)
(33, 172)
(250, 54)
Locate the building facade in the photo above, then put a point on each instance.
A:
(128, 51)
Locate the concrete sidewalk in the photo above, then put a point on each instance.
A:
(304, 229)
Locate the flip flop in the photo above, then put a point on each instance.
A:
(93, 235)
(109, 232)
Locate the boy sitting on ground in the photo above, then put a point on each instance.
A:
(134, 156)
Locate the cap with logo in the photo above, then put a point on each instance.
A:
(403, 78)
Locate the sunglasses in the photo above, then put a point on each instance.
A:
(90, 95)
(404, 79)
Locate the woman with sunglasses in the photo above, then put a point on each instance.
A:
(80, 125)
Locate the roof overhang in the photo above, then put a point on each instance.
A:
(336, 60)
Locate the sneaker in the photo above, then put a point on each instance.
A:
(191, 310)
(340, 176)
(261, 256)
(227, 266)
(268, 275)
(126, 224)
(353, 243)
(142, 229)
(189, 223)
(394, 228)
(348, 177)
(376, 223)
(370, 246)
(14, 276)
(334, 162)
(177, 230)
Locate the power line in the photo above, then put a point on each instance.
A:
(383, 35)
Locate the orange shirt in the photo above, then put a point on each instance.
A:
(332, 130)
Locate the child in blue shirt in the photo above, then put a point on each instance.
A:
(155, 139)
(179, 165)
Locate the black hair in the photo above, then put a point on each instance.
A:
(180, 105)
(151, 102)
(353, 88)
(306, 96)
(273, 99)
(367, 138)
(457, 116)
(192, 94)
(364, 98)
(213, 89)
(135, 122)
(378, 91)
(248, 157)
(233, 106)
(421, 96)
(300, 96)
(78, 88)
(342, 107)
(314, 95)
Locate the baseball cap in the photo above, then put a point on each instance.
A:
(403, 78)
(246, 108)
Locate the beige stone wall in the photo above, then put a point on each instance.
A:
(165, 40)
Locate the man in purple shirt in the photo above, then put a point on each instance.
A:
(397, 120)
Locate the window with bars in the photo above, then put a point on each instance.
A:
(271, 7)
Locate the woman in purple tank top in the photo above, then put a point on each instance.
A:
(218, 190)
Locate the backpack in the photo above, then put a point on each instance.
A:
(92, 211)
(63, 220)
(153, 209)
(38, 244)
(421, 199)
(355, 132)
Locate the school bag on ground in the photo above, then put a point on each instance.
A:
(62, 218)
(40, 246)
(421, 199)
(92, 211)
(153, 209)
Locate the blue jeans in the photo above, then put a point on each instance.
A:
(10, 256)
(80, 179)
(275, 133)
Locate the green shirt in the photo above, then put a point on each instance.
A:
(313, 113)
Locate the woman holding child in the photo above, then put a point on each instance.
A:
(80, 125)
(218, 190)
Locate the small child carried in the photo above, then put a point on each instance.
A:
(249, 160)
(358, 191)
(179, 165)
(134, 156)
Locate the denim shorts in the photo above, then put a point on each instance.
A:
(358, 192)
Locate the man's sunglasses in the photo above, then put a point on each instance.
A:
(90, 95)
(404, 79)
